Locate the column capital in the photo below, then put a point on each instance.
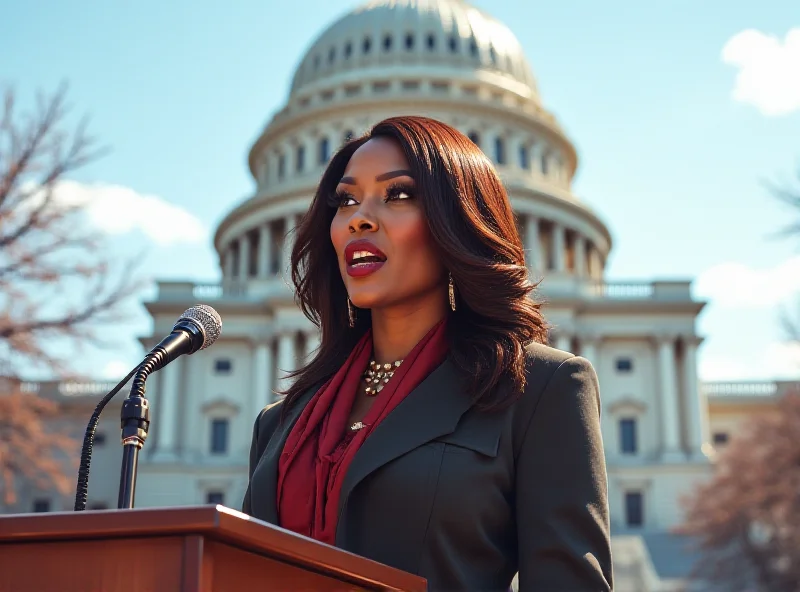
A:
(594, 339)
(693, 340)
(665, 338)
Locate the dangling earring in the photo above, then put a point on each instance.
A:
(351, 314)
(451, 292)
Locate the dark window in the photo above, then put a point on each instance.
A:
(492, 54)
(410, 41)
(387, 43)
(524, 157)
(331, 55)
(476, 139)
(545, 165)
(316, 62)
(634, 508)
(499, 151)
(624, 365)
(98, 506)
(41, 505)
(627, 436)
(223, 366)
(99, 438)
(281, 166)
(348, 49)
(431, 41)
(473, 48)
(324, 150)
(720, 438)
(301, 159)
(366, 45)
(215, 497)
(219, 436)
(452, 42)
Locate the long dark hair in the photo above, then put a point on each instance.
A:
(473, 228)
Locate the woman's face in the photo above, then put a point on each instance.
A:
(385, 251)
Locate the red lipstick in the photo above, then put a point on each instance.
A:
(363, 258)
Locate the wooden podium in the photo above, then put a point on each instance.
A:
(188, 549)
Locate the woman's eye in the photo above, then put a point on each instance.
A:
(345, 199)
(399, 193)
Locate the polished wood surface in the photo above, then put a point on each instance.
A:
(204, 548)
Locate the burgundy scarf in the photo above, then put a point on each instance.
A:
(321, 446)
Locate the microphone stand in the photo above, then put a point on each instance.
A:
(135, 419)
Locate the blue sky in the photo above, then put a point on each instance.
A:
(675, 144)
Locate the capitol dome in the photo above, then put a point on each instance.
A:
(397, 37)
(442, 59)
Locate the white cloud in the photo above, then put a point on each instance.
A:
(119, 210)
(734, 285)
(116, 370)
(769, 70)
(774, 361)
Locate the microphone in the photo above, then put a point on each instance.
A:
(197, 328)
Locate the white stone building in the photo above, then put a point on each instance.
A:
(450, 61)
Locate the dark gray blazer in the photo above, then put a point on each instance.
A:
(467, 498)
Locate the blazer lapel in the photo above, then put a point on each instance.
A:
(431, 410)
(267, 469)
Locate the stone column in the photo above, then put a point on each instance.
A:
(165, 416)
(533, 245)
(244, 257)
(563, 342)
(558, 246)
(595, 264)
(670, 419)
(588, 348)
(695, 401)
(262, 377)
(286, 359)
(228, 264)
(288, 244)
(579, 250)
(264, 250)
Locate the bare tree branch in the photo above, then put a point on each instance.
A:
(57, 282)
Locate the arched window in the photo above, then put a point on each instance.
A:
(452, 42)
(524, 157)
(431, 41)
(499, 151)
(324, 150)
(300, 160)
(409, 41)
(367, 45)
(331, 55)
(387, 43)
(281, 166)
(348, 49)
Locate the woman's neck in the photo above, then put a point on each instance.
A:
(396, 330)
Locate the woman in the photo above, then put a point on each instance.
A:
(433, 431)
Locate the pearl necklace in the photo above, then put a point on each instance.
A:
(377, 375)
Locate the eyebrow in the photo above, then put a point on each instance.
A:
(379, 178)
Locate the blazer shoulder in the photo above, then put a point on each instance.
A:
(541, 366)
(269, 417)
